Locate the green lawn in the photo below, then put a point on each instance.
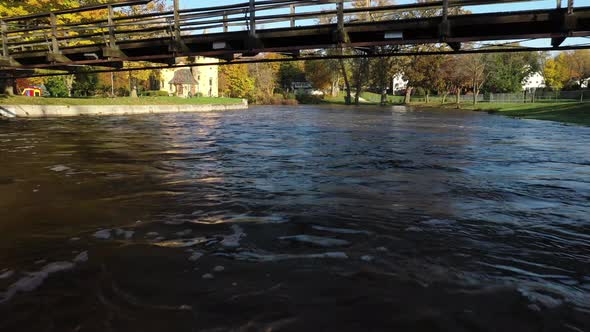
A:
(20, 100)
(566, 112)
(369, 97)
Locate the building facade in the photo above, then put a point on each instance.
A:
(191, 81)
(534, 81)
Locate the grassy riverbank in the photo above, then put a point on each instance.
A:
(569, 112)
(566, 112)
(19, 100)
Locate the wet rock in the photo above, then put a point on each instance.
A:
(75, 239)
(152, 234)
(316, 240)
(185, 308)
(382, 249)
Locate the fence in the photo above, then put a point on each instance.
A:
(540, 96)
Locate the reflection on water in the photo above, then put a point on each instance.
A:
(295, 219)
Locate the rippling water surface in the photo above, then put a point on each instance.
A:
(295, 219)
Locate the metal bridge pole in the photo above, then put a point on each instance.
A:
(292, 18)
(225, 23)
(252, 10)
(570, 7)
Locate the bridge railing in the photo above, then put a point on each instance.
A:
(48, 34)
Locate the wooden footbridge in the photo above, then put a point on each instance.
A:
(46, 41)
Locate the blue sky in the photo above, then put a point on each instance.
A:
(541, 4)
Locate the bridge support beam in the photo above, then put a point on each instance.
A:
(569, 24)
(341, 35)
(5, 59)
(112, 51)
(179, 46)
(55, 55)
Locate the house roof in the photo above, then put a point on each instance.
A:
(183, 76)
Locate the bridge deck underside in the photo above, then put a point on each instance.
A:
(554, 24)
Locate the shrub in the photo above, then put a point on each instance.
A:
(308, 99)
(154, 93)
(56, 86)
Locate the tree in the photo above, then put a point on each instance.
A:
(455, 78)
(475, 66)
(84, 84)
(507, 71)
(557, 72)
(235, 81)
(57, 87)
(384, 68)
(423, 71)
(290, 72)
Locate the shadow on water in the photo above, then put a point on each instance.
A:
(294, 219)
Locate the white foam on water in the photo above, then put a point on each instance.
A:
(184, 243)
(75, 239)
(60, 168)
(438, 222)
(414, 229)
(219, 268)
(104, 234)
(82, 257)
(340, 230)
(316, 240)
(185, 232)
(208, 276)
(542, 299)
(127, 234)
(233, 240)
(33, 280)
(6, 274)
(195, 256)
(367, 258)
(152, 234)
(268, 257)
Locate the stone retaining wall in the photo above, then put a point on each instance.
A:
(41, 111)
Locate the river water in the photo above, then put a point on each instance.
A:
(295, 219)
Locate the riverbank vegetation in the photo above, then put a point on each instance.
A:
(19, 100)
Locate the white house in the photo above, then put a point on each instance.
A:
(398, 83)
(534, 81)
